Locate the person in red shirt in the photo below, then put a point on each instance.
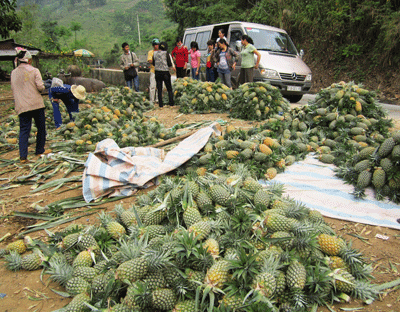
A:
(181, 57)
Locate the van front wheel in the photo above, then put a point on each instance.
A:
(293, 98)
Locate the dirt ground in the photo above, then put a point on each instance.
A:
(26, 291)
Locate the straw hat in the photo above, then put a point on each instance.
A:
(78, 91)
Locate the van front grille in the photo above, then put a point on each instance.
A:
(292, 77)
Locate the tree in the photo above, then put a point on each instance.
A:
(9, 20)
(75, 27)
(52, 36)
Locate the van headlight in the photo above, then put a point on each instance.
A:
(270, 73)
(309, 77)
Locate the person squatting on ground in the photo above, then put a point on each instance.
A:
(152, 87)
(70, 95)
(210, 61)
(195, 60)
(247, 65)
(26, 85)
(180, 55)
(162, 61)
(226, 62)
(129, 59)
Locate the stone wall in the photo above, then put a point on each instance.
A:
(115, 77)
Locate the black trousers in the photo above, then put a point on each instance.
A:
(164, 76)
(25, 124)
(180, 72)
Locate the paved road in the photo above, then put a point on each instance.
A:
(393, 110)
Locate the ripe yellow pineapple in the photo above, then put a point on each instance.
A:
(218, 274)
(18, 246)
(265, 149)
(212, 247)
(232, 154)
(271, 173)
(330, 244)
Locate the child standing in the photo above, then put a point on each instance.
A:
(195, 60)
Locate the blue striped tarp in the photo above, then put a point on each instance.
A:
(315, 184)
(115, 171)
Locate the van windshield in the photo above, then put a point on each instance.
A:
(271, 40)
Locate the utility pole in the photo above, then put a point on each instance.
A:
(138, 28)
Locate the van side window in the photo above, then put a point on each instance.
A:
(188, 39)
(235, 36)
(202, 38)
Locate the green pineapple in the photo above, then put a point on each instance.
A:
(346, 286)
(32, 261)
(155, 280)
(364, 179)
(127, 217)
(327, 158)
(87, 273)
(265, 281)
(86, 241)
(247, 153)
(396, 152)
(378, 178)
(193, 189)
(386, 164)
(366, 152)
(386, 147)
(315, 216)
(280, 279)
(78, 303)
(185, 306)
(296, 275)
(262, 199)
(195, 278)
(132, 270)
(204, 202)
(200, 229)
(362, 165)
(219, 194)
(191, 216)
(120, 307)
(115, 229)
(163, 299)
(276, 222)
(155, 216)
(285, 244)
(234, 302)
(77, 285)
(84, 258)
(70, 240)
(152, 231)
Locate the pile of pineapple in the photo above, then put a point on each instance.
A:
(194, 96)
(204, 243)
(257, 101)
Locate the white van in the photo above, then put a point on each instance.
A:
(281, 64)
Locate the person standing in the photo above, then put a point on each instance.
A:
(195, 60)
(152, 88)
(247, 54)
(70, 95)
(210, 61)
(226, 61)
(26, 85)
(162, 61)
(129, 59)
(180, 56)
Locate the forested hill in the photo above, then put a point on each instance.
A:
(96, 25)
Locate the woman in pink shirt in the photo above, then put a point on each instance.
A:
(195, 60)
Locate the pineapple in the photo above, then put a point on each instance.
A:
(232, 154)
(265, 149)
(70, 240)
(115, 229)
(218, 274)
(364, 179)
(195, 278)
(193, 189)
(152, 231)
(84, 258)
(77, 285)
(262, 199)
(276, 222)
(32, 261)
(78, 303)
(155, 280)
(132, 270)
(285, 244)
(191, 216)
(378, 178)
(163, 299)
(127, 217)
(60, 271)
(155, 216)
(346, 285)
(204, 202)
(219, 194)
(200, 229)
(251, 185)
(185, 306)
(330, 244)
(386, 147)
(270, 173)
(296, 275)
(212, 247)
(120, 307)
(86, 241)
(18, 246)
(234, 302)
(87, 273)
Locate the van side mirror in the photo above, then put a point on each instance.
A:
(238, 45)
(301, 53)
